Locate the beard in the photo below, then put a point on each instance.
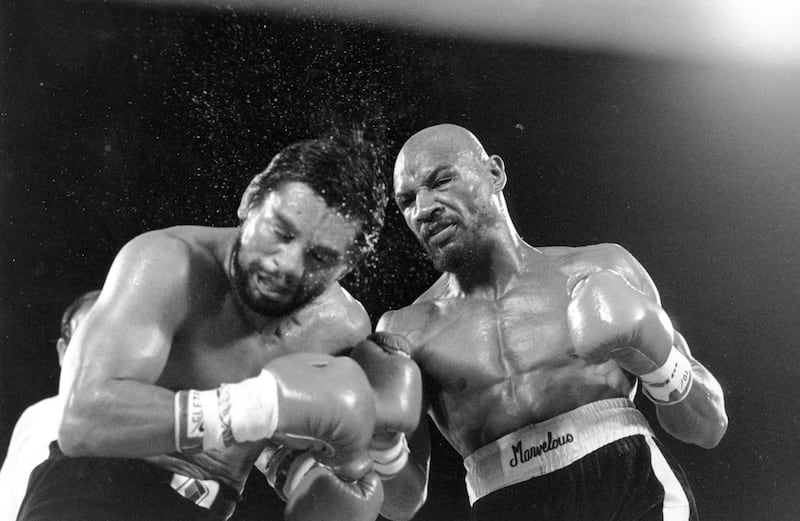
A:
(452, 258)
(243, 276)
(468, 249)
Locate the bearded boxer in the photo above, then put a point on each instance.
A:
(532, 357)
(208, 344)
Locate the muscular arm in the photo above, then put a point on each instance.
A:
(113, 407)
(700, 418)
(332, 324)
(407, 491)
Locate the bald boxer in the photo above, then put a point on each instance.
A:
(533, 356)
(38, 424)
(208, 345)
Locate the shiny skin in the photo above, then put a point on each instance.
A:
(169, 317)
(503, 361)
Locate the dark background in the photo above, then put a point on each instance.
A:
(116, 119)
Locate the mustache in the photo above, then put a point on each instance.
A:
(432, 226)
(280, 283)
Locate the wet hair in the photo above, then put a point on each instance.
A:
(344, 170)
(66, 318)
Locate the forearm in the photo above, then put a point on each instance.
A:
(700, 418)
(119, 418)
(405, 493)
(611, 317)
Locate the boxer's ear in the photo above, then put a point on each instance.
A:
(247, 197)
(246, 203)
(497, 170)
(61, 348)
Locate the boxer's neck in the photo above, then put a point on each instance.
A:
(496, 266)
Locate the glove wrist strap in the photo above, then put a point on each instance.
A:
(286, 470)
(198, 425)
(390, 461)
(670, 383)
(245, 411)
(250, 407)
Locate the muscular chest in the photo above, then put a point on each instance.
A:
(490, 340)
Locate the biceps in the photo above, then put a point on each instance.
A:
(112, 345)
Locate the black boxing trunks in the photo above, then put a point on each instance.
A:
(594, 463)
(114, 489)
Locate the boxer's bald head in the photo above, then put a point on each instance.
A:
(445, 143)
(449, 191)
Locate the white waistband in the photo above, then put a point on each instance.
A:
(544, 447)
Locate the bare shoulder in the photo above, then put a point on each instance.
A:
(407, 319)
(604, 256)
(165, 266)
(341, 307)
(156, 255)
(180, 244)
(333, 322)
(416, 320)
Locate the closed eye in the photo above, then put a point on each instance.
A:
(403, 202)
(283, 228)
(282, 233)
(323, 256)
(441, 181)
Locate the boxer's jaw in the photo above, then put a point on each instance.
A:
(252, 287)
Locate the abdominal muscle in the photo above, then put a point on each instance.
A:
(472, 418)
(498, 366)
(497, 362)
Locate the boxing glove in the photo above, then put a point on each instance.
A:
(396, 384)
(303, 400)
(313, 492)
(609, 319)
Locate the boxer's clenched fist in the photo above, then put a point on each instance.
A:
(303, 400)
(611, 320)
(397, 388)
(314, 492)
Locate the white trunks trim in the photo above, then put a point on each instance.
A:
(553, 444)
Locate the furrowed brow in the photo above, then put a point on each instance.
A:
(401, 198)
(285, 222)
(430, 179)
(405, 195)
